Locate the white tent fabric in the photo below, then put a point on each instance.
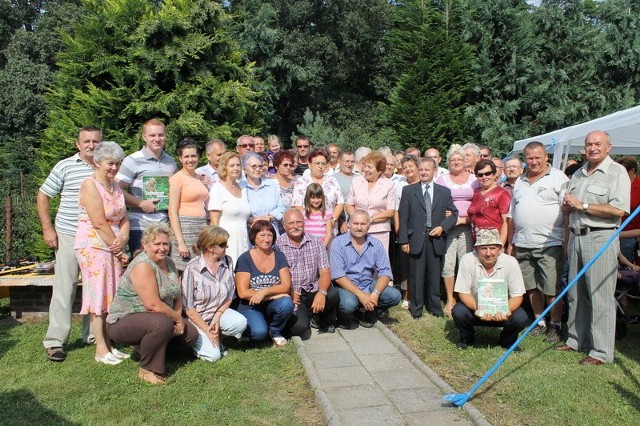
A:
(623, 127)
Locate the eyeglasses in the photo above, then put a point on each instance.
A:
(484, 174)
(248, 145)
(484, 155)
(302, 146)
(286, 165)
(223, 245)
(318, 164)
(255, 166)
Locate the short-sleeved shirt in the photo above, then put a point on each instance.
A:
(485, 211)
(305, 261)
(259, 279)
(536, 210)
(461, 194)
(205, 291)
(126, 301)
(634, 203)
(471, 270)
(380, 198)
(316, 224)
(608, 184)
(360, 268)
(134, 167)
(344, 181)
(332, 192)
(65, 179)
(209, 173)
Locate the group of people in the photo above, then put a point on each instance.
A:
(269, 243)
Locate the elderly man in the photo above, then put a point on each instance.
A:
(597, 197)
(303, 149)
(488, 262)
(151, 162)
(334, 154)
(472, 156)
(426, 214)
(360, 154)
(356, 259)
(485, 152)
(312, 293)
(209, 172)
(536, 233)
(512, 170)
(434, 154)
(258, 144)
(244, 144)
(500, 176)
(344, 177)
(65, 179)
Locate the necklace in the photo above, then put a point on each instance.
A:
(107, 186)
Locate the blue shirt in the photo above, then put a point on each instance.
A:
(265, 199)
(358, 267)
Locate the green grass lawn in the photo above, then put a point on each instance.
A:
(257, 386)
(538, 386)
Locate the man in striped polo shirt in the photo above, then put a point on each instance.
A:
(65, 179)
(155, 164)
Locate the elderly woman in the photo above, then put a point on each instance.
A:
(284, 163)
(375, 194)
(147, 309)
(207, 292)
(490, 203)
(263, 281)
(187, 202)
(334, 200)
(229, 206)
(462, 185)
(103, 232)
(263, 194)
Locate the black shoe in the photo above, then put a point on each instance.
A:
(553, 334)
(367, 319)
(517, 349)
(538, 330)
(313, 323)
(462, 345)
(416, 318)
(327, 329)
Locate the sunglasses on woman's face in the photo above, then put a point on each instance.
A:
(223, 245)
(484, 174)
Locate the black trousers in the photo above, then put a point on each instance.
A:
(299, 322)
(424, 281)
(466, 321)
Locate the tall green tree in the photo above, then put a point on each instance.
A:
(130, 60)
(322, 55)
(434, 69)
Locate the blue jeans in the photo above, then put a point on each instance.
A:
(389, 297)
(270, 316)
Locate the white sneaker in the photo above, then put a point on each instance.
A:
(109, 359)
(119, 355)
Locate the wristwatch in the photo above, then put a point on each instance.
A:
(585, 207)
(322, 292)
(377, 292)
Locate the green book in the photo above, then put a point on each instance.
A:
(493, 296)
(156, 188)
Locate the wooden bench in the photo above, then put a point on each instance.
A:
(31, 293)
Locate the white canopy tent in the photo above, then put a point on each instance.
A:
(623, 127)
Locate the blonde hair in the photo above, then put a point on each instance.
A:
(155, 229)
(224, 160)
(211, 235)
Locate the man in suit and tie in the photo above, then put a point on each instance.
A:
(423, 225)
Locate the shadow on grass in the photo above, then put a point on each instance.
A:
(20, 407)
(631, 395)
(6, 344)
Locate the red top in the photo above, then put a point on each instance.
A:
(485, 210)
(635, 201)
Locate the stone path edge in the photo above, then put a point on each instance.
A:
(330, 416)
(474, 414)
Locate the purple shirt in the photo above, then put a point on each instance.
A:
(461, 194)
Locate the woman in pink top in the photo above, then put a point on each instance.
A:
(187, 200)
(373, 192)
(462, 185)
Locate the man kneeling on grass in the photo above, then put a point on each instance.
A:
(490, 288)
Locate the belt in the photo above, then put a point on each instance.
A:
(584, 230)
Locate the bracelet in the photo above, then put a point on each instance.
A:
(118, 253)
(377, 292)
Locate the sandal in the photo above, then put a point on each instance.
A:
(56, 354)
(151, 377)
(279, 341)
(405, 304)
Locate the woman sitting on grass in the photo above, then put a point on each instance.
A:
(207, 292)
(264, 282)
(147, 309)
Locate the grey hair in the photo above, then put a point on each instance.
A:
(362, 152)
(108, 150)
(248, 156)
(476, 148)
(410, 158)
(456, 149)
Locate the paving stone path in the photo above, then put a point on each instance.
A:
(369, 377)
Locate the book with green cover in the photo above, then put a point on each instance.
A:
(493, 296)
(156, 188)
